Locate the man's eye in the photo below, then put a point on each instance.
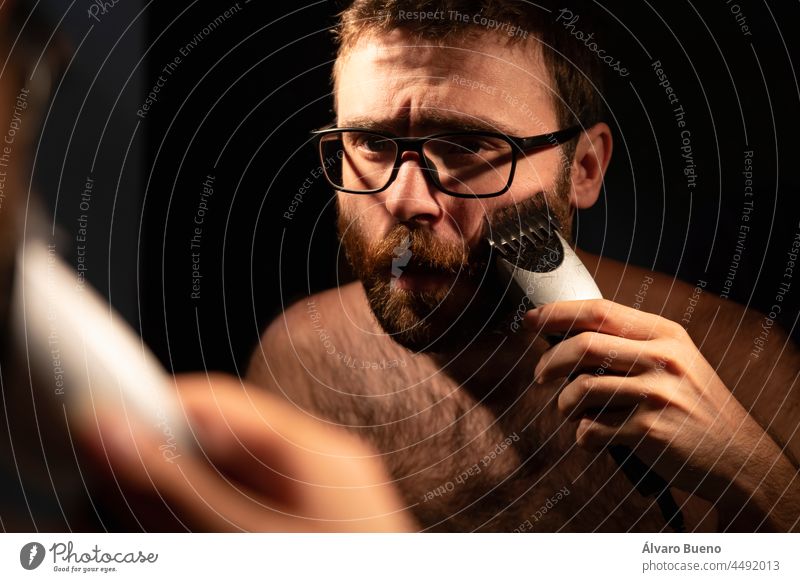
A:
(467, 146)
(374, 144)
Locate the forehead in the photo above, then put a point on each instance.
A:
(407, 84)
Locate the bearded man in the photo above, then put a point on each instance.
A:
(263, 467)
(444, 122)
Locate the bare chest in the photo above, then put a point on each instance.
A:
(493, 457)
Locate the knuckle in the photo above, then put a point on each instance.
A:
(575, 393)
(651, 423)
(588, 434)
(675, 330)
(584, 341)
(598, 311)
(585, 383)
(542, 313)
(668, 357)
(644, 390)
(641, 423)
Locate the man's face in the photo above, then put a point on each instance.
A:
(418, 251)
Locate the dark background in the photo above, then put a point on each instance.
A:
(240, 107)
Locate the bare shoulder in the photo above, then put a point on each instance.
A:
(755, 358)
(312, 352)
(298, 344)
(645, 289)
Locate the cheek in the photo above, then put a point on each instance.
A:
(356, 207)
(466, 217)
(365, 212)
(538, 172)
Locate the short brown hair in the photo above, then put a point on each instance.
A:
(575, 74)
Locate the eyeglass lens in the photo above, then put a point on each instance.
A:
(463, 164)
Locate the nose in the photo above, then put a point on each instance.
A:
(412, 197)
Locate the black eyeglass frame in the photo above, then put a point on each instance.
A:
(415, 144)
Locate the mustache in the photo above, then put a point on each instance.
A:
(417, 248)
(413, 247)
(408, 247)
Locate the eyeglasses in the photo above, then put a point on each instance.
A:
(465, 164)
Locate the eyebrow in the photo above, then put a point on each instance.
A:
(434, 120)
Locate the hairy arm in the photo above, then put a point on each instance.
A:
(759, 364)
(648, 384)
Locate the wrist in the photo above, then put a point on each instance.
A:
(763, 492)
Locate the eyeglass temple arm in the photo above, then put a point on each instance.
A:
(549, 139)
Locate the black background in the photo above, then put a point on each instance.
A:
(241, 104)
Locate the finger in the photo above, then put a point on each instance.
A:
(595, 353)
(268, 430)
(597, 432)
(325, 474)
(236, 437)
(196, 495)
(602, 316)
(590, 395)
(216, 401)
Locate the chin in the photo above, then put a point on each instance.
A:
(447, 319)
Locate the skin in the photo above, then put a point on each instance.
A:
(255, 464)
(718, 424)
(409, 86)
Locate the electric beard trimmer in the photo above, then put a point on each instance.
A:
(95, 360)
(546, 269)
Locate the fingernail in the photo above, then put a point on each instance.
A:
(531, 319)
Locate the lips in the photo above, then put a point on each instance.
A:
(422, 279)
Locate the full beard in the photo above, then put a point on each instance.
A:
(434, 320)
(448, 317)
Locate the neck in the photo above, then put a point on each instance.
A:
(496, 366)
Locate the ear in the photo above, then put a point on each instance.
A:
(592, 155)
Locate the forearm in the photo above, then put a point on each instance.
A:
(765, 493)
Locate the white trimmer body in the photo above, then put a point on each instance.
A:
(93, 358)
(569, 281)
